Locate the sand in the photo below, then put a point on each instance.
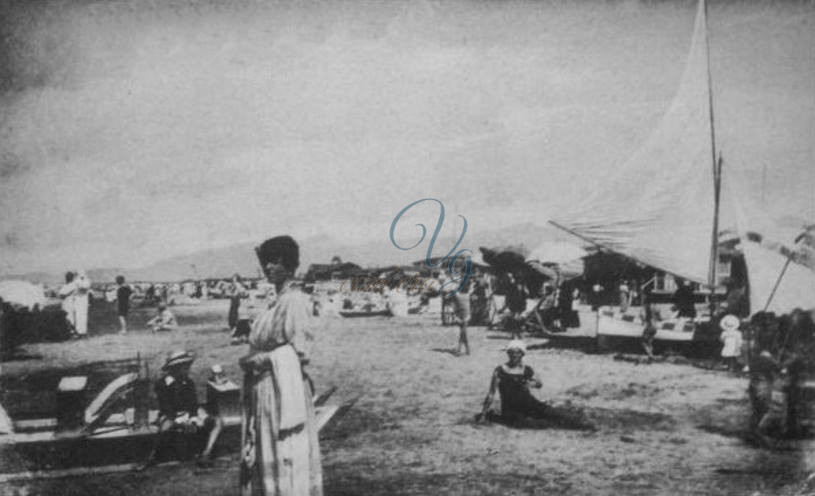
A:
(662, 428)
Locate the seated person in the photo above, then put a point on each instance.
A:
(179, 412)
(164, 321)
(519, 408)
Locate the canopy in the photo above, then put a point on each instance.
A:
(779, 272)
(22, 293)
(658, 206)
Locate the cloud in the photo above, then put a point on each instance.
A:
(133, 131)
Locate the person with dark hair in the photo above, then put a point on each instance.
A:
(684, 299)
(123, 293)
(179, 414)
(461, 302)
(515, 302)
(764, 369)
(164, 320)
(280, 448)
(68, 294)
(236, 291)
(519, 408)
(798, 361)
(649, 321)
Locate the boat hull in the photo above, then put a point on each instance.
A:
(615, 324)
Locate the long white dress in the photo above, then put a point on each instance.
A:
(281, 452)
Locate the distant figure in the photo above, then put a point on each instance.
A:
(68, 292)
(731, 339)
(649, 331)
(164, 321)
(150, 295)
(123, 294)
(74, 296)
(596, 296)
(81, 302)
(736, 300)
(461, 302)
(548, 307)
(684, 300)
(516, 304)
(236, 291)
(624, 295)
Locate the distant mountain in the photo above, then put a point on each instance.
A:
(240, 258)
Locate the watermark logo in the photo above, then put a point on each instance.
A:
(452, 255)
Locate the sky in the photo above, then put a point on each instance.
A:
(132, 131)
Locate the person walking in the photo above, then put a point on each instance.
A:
(123, 294)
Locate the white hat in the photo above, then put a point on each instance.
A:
(729, 322)
(516, 344)
(178, 358)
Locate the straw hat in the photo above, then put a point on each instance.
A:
(729, 323)
(178, 358)
(516, 344)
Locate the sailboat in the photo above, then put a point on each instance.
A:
(661, 209)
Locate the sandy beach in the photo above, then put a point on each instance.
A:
(662, 428)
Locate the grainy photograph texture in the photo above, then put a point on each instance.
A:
(399, 247)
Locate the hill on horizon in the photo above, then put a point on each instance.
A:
(240, 258)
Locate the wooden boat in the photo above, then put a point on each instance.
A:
(360, 313)
(106, 435)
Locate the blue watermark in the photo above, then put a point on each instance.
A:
(452, 255)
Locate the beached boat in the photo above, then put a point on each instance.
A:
(662, 209)
(114, 432)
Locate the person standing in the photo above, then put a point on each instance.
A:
(68, 293)
(684, 300)
(624, 296)
(461, 300)
(731, 339)
(236, 292)
(516, 304)
(81, 302)
(280, 449)
(123, 294)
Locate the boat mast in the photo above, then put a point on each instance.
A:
(717, 176)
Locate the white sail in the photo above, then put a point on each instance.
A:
(659, 206)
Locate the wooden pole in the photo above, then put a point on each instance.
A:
(717, 174)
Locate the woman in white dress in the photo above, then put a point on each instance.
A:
(280, 453)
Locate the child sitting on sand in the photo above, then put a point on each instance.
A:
(164, 321)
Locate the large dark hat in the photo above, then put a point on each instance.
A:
(279, 250)
(178, 358)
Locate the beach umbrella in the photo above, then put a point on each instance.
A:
(543, 270)
(22, 293)
(780, 270)
(507, 259)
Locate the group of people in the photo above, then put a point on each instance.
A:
(781, 352)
